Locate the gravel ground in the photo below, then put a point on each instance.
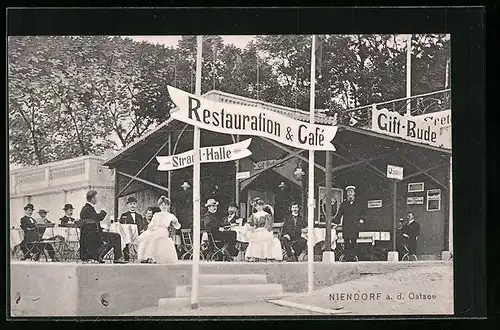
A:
(434, 282)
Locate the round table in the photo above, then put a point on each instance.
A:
(128, 232)
(70, 234)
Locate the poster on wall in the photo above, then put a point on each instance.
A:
(415, 200)
(337, 198)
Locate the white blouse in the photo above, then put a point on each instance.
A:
(162, 220)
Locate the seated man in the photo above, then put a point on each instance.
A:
(43, 216)
(211, 222)
(92, 236)
(410, 233)
(291, 233)
(68, 220)
(32, 239)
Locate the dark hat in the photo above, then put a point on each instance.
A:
(233, 205)
(131, 200)
(29, 206)
(68, 207)
(260, 202)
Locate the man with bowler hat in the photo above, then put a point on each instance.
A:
(212, 222)
(67, 220)
(352, 212)
(32, 239)
(131, 217)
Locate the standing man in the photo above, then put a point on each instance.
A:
(351, 212)
(131, 217)
(92, 235)
(292, 233)
(32, 239)
(410, 233)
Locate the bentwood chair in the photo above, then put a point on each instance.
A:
(219, 249)
(409, 256)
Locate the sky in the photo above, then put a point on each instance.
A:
(171, 41)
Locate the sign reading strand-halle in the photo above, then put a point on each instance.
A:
(432, 129)
(207, 155)
(245, 120)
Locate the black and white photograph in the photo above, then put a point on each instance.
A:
(230, 175)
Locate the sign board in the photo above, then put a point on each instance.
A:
(374, 204)
(431, 129)
(242, 175)
(433, 200)
(247, 120)
(415, 200)
(207, 155)
(394, 172)
(264, 164)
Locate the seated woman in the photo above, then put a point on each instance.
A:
(155, 245)
(263, 245)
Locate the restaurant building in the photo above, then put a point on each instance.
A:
(278, 173)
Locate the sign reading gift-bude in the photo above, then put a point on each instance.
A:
(207, 155)
(431, 129)
(246, 120)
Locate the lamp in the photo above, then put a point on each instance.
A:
(185, 185)
(282, 185)
(298, 174)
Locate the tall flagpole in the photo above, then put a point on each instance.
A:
(408, 73)
(310, 197)
(196, 186)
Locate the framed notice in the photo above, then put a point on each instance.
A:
(374, 204)
(337, 197)
(433, 200)
(416, 187)
(415, 200)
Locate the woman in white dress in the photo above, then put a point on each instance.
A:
(155, 245)
(263, 246)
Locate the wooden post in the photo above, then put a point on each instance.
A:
(408, 74)
(310, 195)
(237, 182)
(116, 195)
(328, 236)
(196, 186)
(169, 173)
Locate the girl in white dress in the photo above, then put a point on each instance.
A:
(155, 245)
(263, 245)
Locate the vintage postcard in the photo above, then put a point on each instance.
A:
(230, 175)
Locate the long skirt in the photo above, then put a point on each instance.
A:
(263, 245)
(156, 245)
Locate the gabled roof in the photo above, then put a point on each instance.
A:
(219, 96)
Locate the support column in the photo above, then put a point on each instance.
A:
(115, 211)
(393, 255)
(237, 181)
(447, 255)
(328, 254)
(169, 175)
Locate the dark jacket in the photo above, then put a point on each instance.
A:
(90, 218)
(30, 230)
(66, 221)
(352, 213)
(226, 222)
(126, 218)
(210, 221)
(412, 230)
(294, 230)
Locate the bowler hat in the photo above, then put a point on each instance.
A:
(131, 200)
(29, 206)
(68, 207)
(211, 202)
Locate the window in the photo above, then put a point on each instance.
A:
(433, 200)
(415, 187)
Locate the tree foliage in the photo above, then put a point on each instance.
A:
(73, 96)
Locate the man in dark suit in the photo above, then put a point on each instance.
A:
(352, 212)
(293, 224)
(68, 219)
(92, 236)
(232, 218)
(32, 239)
(131, 217)
(212, 222)
(410, 233)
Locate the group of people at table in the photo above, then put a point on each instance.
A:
(155, 244)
